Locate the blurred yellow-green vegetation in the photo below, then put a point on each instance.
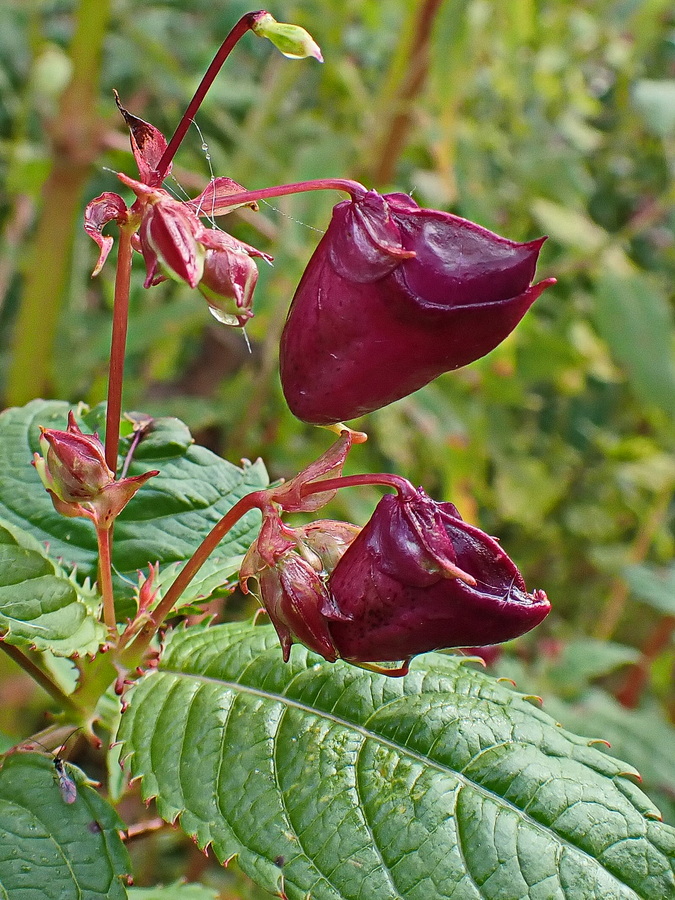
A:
(533, 117)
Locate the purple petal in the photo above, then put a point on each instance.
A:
(107, 207)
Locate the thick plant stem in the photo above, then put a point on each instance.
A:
(620, 593)
(244, 24)
(255, 500)
(96, 676)
(42, 678)
(104, 538)
(118, 346)
(638, 675)
(75, 137)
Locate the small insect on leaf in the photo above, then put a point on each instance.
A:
(66, 783)
(67, 786)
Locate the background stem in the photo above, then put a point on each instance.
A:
(41, 678)
(243, 25)
(407, 79)
(75, 140)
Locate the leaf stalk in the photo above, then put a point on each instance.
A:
(43, 679)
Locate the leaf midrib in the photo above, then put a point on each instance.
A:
(413, 754)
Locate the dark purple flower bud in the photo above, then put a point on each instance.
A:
(73, 464)
(168, 238)
(419, 578)
(290, 567)
(393, 296)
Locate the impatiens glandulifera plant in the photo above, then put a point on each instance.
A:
(323, 774)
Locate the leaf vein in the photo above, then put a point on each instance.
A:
(466, 782)
(359, 793)
(286, 810)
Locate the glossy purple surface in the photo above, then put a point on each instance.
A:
(396, 587)
(393, 296)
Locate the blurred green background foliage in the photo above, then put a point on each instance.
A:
(538, 117)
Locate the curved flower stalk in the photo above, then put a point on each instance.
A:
(168, 233)
(393, 296)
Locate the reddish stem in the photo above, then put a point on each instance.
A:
(23, 659)
(638, 675)
(118, 346)
(254, 500)
(104, 538)
(392, 142)
(243, 25)
(356, 190)
(405, 489)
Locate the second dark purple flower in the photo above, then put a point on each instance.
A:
(418, 578)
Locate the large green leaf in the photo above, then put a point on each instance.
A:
(163, 523)
(351, 785)
(39, 605)
(51, 850)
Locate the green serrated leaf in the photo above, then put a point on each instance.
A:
(443, 784)
(50, 850)
(177, 891)
(39, 606)
(164, 522)
(643, 736)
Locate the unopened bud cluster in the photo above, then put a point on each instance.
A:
(73, 470)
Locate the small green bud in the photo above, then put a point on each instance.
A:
(291, 40)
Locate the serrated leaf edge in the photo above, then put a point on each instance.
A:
(465, 781)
